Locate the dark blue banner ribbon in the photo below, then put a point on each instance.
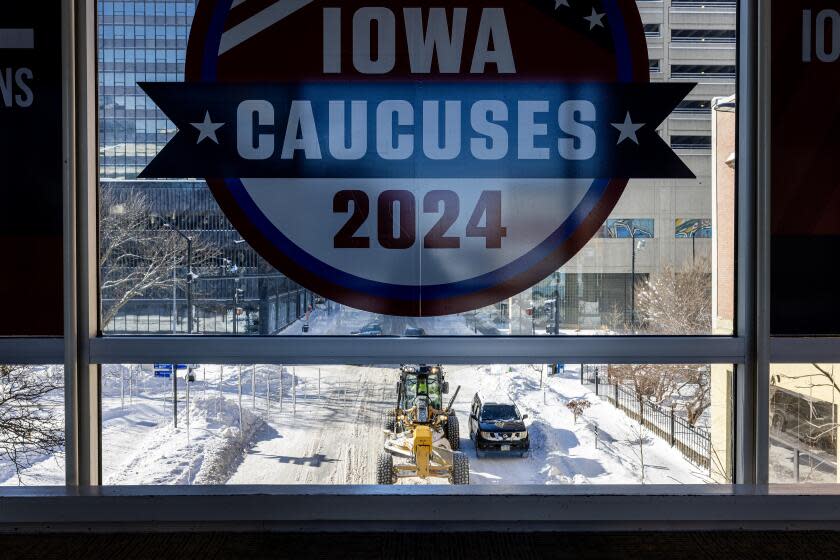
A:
(417, 130)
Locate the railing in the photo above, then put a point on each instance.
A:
(694, 443)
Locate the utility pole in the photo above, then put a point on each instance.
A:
(175, 394)
(633, 277)
(189, 447)
(693, 246)
(190, 278)
(174, 294)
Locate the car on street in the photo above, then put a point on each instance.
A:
(371, 329)
(497, 426)
(812, 421)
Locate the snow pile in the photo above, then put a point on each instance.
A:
(208, 454)
(223, 454)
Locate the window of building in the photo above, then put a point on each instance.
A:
(694, 106)
(691, 142)
(700, 71)
(703, 35)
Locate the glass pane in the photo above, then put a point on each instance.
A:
(515, 424)
(662, 262)
(31, 425)
(803, 423)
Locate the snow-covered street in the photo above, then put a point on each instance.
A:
(268, 424)
(335, 438)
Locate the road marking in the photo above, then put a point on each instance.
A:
(17, 38)
(259, 23)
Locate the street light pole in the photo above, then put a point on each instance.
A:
(633, 278)
(557, 304)
(190, 277)
(175, 394)
(693, 248)
(235, 304)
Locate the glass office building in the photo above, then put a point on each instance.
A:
(232, 288)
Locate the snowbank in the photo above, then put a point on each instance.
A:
(208, 452)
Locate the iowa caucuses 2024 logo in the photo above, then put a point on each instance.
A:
(414, 158)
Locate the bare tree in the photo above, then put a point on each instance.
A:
(577, 407)
(135, 258)
(677, 301)
(674, 302)
(31, 425)
(639, 437)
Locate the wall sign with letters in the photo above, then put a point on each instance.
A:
(805, 175)
(31, 169)
(417, 158)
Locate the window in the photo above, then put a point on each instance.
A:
(217, 284)
(694, 107)
(700, 71)
(172, 263)
(691, 142)
(517, 424)
(803, 423)
(703, 35)
(703, 3)
(31, 425)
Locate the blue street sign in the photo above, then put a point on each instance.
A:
(165, 370)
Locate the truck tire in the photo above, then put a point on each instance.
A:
(460, 468)
(389, 420)
(453, 433)
(385, 469)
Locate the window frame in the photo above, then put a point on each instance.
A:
(750, 348)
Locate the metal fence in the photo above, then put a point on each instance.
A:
(694, 443)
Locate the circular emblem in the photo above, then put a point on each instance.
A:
(414, 158)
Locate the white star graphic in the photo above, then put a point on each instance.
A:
(595, 19)
(628, 129)
(207, 129)
(558, 3)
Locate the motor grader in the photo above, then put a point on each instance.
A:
(421, 430)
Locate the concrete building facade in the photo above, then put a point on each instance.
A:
(688, 41)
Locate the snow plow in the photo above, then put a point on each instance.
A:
(422, 431)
